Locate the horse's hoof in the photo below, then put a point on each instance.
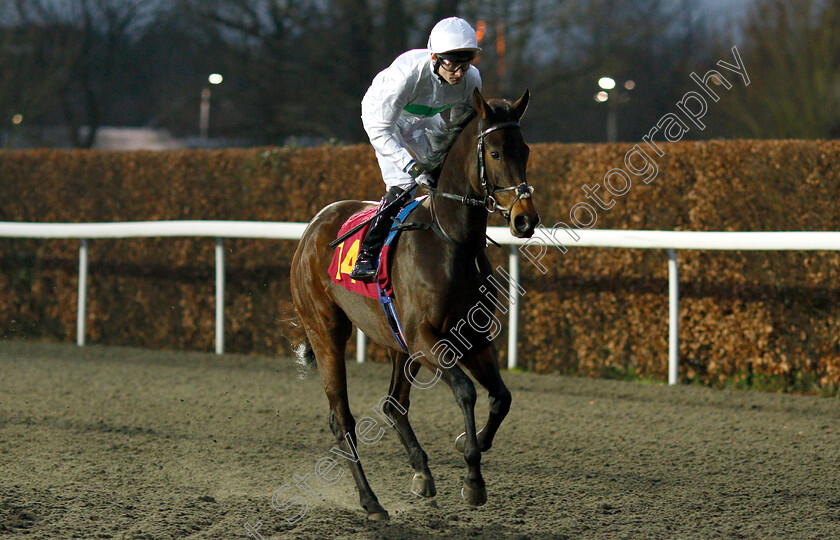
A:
(474, 496)
(378, 515)
(460, 441)
(423, 485)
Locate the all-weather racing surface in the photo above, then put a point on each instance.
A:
(104, 442)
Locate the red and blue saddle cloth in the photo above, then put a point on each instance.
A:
(344, 259)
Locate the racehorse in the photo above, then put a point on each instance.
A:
(439, 274)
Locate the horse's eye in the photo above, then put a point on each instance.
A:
(495, 155)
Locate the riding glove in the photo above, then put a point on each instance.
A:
(418, 172)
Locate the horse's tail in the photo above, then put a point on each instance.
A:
(304, 358)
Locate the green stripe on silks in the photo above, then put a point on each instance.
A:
(425, 110)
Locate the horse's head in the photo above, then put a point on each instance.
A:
(502, 162)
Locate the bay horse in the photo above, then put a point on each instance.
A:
(438, 275)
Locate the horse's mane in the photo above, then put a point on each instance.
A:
(459, 116)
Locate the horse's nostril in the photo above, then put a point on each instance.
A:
(521, 223)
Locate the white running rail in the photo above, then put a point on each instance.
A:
(532, 249)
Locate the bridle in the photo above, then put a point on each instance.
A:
(523, 190)
(488, 201)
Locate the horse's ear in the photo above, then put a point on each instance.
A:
(522, 104)
(481, 106)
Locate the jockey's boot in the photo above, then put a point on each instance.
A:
(389, 207)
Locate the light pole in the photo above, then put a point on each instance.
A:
(613, 97)
(204, 111)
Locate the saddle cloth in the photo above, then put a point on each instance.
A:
(344, 259)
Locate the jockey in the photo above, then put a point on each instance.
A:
(400, 111)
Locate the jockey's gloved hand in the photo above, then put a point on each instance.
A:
(425, 180)
(419, 172)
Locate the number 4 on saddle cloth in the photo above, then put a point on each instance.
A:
(345, 255)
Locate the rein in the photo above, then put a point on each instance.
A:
(489, 202)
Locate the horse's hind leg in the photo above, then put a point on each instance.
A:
(485, 369)
(328, 336)
(396, 407)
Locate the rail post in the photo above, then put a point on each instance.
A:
(220, 296)
(513, 316)
(673, 317)
(361, 346)
(81, 308)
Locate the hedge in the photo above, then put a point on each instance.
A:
(745, 317)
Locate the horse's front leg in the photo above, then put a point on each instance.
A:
(473, 491)
(485, 368)
(462, 387)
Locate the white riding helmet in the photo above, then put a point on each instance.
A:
(453, 34)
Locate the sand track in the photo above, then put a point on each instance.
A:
(104, 442)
